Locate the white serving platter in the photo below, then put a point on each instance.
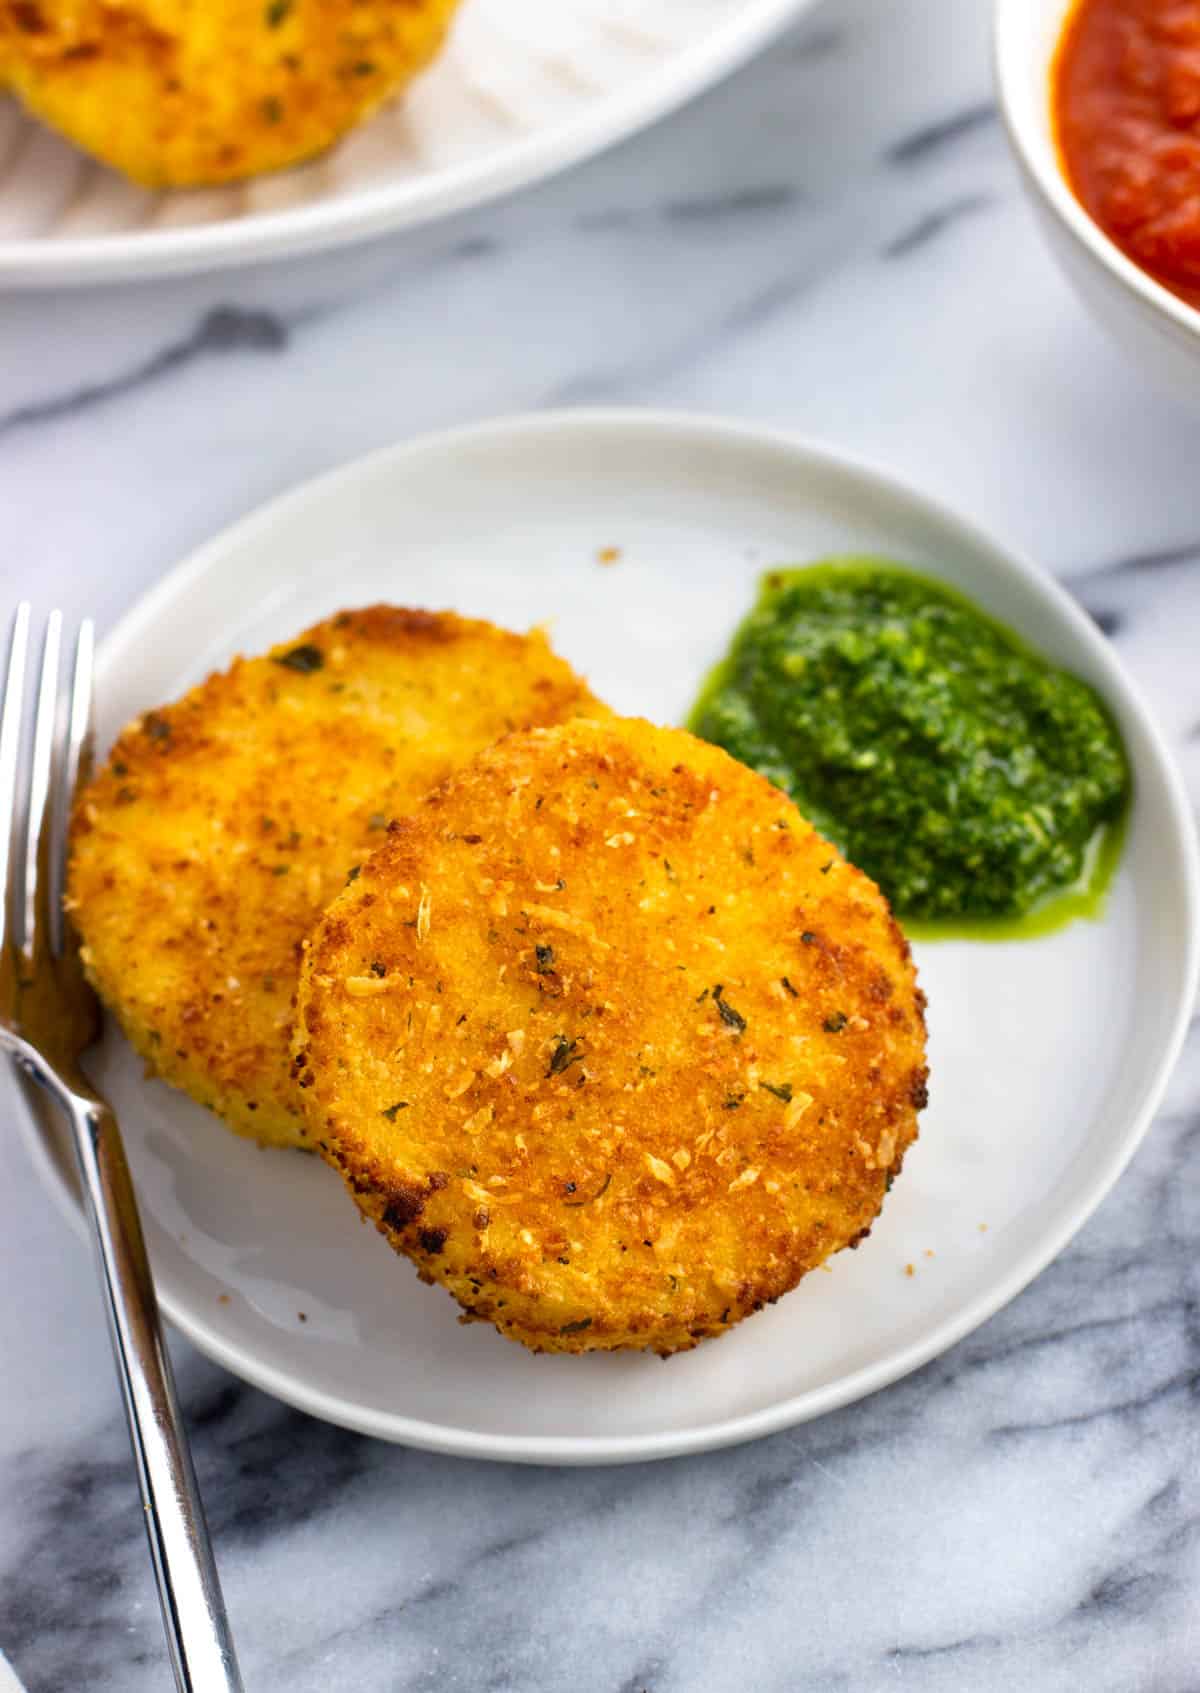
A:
(523, 89)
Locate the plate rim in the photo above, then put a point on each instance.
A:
(858, 1384)
(233, 243)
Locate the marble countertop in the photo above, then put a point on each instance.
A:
(834, 241)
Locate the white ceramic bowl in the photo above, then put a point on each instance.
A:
(1161, 331)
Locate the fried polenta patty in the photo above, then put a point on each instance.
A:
(183, 92)
(222, 825)
(609, 1041)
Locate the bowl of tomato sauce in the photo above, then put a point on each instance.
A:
(1102, 103)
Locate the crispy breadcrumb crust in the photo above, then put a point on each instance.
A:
(222, 825)
(176, 94)
(610, 1042)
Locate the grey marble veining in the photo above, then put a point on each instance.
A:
(832, 241)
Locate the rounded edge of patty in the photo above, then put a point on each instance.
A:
(587, 1103)
(213, 94)
(221, 825)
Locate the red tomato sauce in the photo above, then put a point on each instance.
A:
(1126, 100)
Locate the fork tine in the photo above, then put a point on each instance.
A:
(37, 839)
(76, 769)
(10, 752)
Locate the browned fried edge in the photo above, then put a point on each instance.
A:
(397, 1207)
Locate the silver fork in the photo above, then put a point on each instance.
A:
(48, 1017)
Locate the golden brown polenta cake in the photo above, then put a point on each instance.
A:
(222, 825)
(182, 92)
(609, 1041)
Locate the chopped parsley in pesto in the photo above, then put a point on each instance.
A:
(965, 774)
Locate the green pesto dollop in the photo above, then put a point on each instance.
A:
(969, 777)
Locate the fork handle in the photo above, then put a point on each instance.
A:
(189, 1589)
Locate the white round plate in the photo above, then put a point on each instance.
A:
(521, 90)
(1048, 1056)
